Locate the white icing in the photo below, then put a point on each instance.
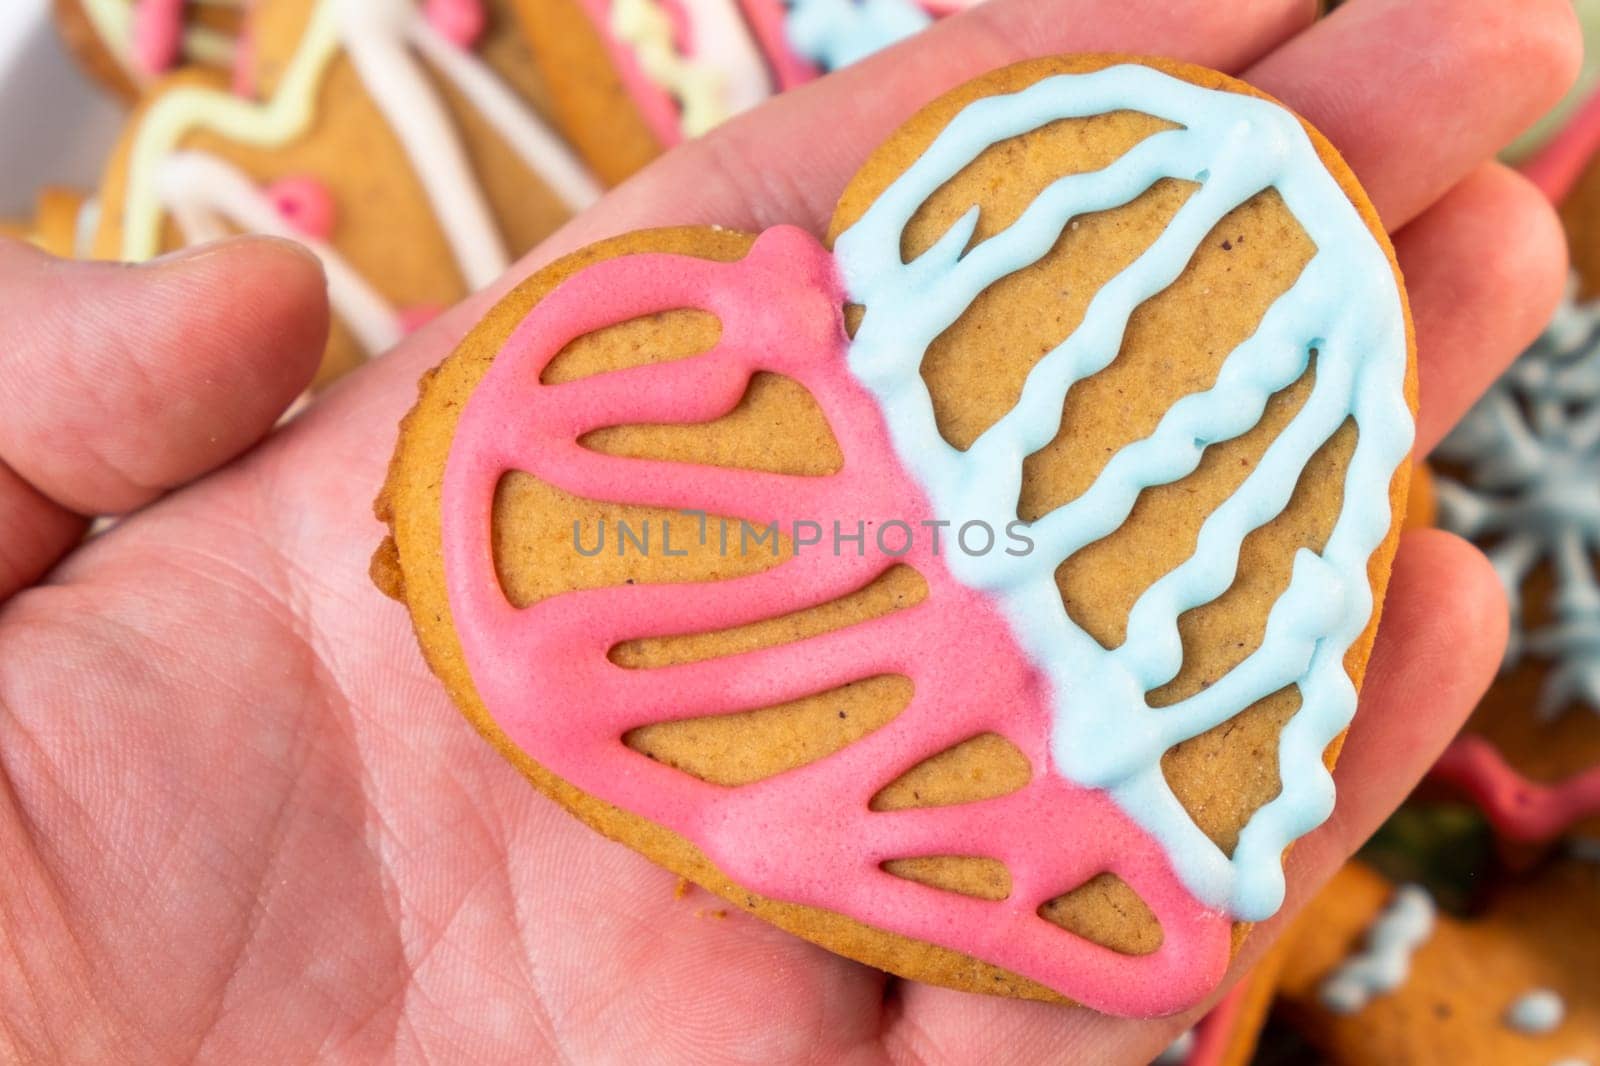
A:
(1385, 962)
(1537, 1012)
(379, 36)
(207, 195)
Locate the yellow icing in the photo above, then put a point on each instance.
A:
(699, 89)
(267, 124)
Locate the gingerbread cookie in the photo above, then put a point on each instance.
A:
(1378, 973)
(127, 44)
(632, 78)
(998, 648)
(62, 224)
(395, 139)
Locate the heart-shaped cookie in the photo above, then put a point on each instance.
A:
(979, 599)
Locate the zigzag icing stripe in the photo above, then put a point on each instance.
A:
(1345, 307)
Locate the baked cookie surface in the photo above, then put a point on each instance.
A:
(982, 598)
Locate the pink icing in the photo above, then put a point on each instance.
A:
(156, 36)
(659, 109)
(459, 21)
(306, 204)
(1519, 809)
(807, 835)
(766, 21)
(1556, 167)
(414, 318)
(682, 29)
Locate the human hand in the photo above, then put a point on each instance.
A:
(241, 821)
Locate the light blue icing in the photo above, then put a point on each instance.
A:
(836, 33)
(1384, 962)
(1530, 453)
(1345, 305)
(1536, 1013)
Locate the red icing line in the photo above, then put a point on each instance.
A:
(806, 835)
(1212, 1032)
(1556, 167)
(1519, 809)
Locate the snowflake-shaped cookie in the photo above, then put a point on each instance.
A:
(1529, 454)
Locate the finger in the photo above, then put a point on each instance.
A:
(34, 532)
(1415, 93)
(1443, 630)
(122, 382)
(788, 161)
(1484, 267)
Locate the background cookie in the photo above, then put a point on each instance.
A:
(632, 78)
(1377, 974)
(985, 756)
(62, 223)
(1519, 477)
(127, 44)
(410, 161)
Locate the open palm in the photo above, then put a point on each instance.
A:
(239, 821)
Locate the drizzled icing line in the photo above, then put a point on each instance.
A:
(1520, 809)
(683, 87)
(117, 24)
(694, 64)
(1345, 305)
(807, 835)
(1385, 962)
(1530, 452)
(379, 36)
(206, 194)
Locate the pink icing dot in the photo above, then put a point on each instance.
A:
(459, 21)
(305, 204)
(414, 318)
(156, 36)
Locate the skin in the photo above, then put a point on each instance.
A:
(240, 821)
